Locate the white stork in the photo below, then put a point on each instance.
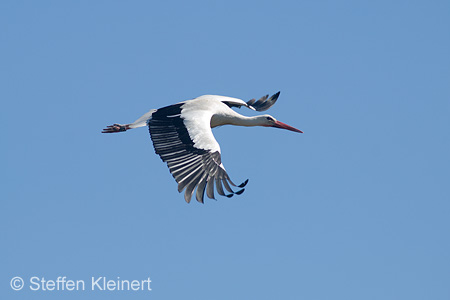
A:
(182, 137)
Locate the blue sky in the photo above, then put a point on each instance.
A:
(357, 207)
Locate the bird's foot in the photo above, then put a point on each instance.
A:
(115, 128)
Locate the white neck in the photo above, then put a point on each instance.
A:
(237, 119)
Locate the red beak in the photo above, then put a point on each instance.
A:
(281, 125)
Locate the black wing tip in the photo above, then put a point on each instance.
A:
(240, 192)
(188, 200)
(243, 184)
(264, 103)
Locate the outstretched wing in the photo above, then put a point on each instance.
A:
(191, 152)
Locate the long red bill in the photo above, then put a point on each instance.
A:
(281, 125)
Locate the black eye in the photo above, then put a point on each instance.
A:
(269, 118)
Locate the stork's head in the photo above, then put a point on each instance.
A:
(269, 121)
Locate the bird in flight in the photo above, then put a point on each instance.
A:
(182, 137)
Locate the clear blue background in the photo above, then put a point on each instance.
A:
(357, 207)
